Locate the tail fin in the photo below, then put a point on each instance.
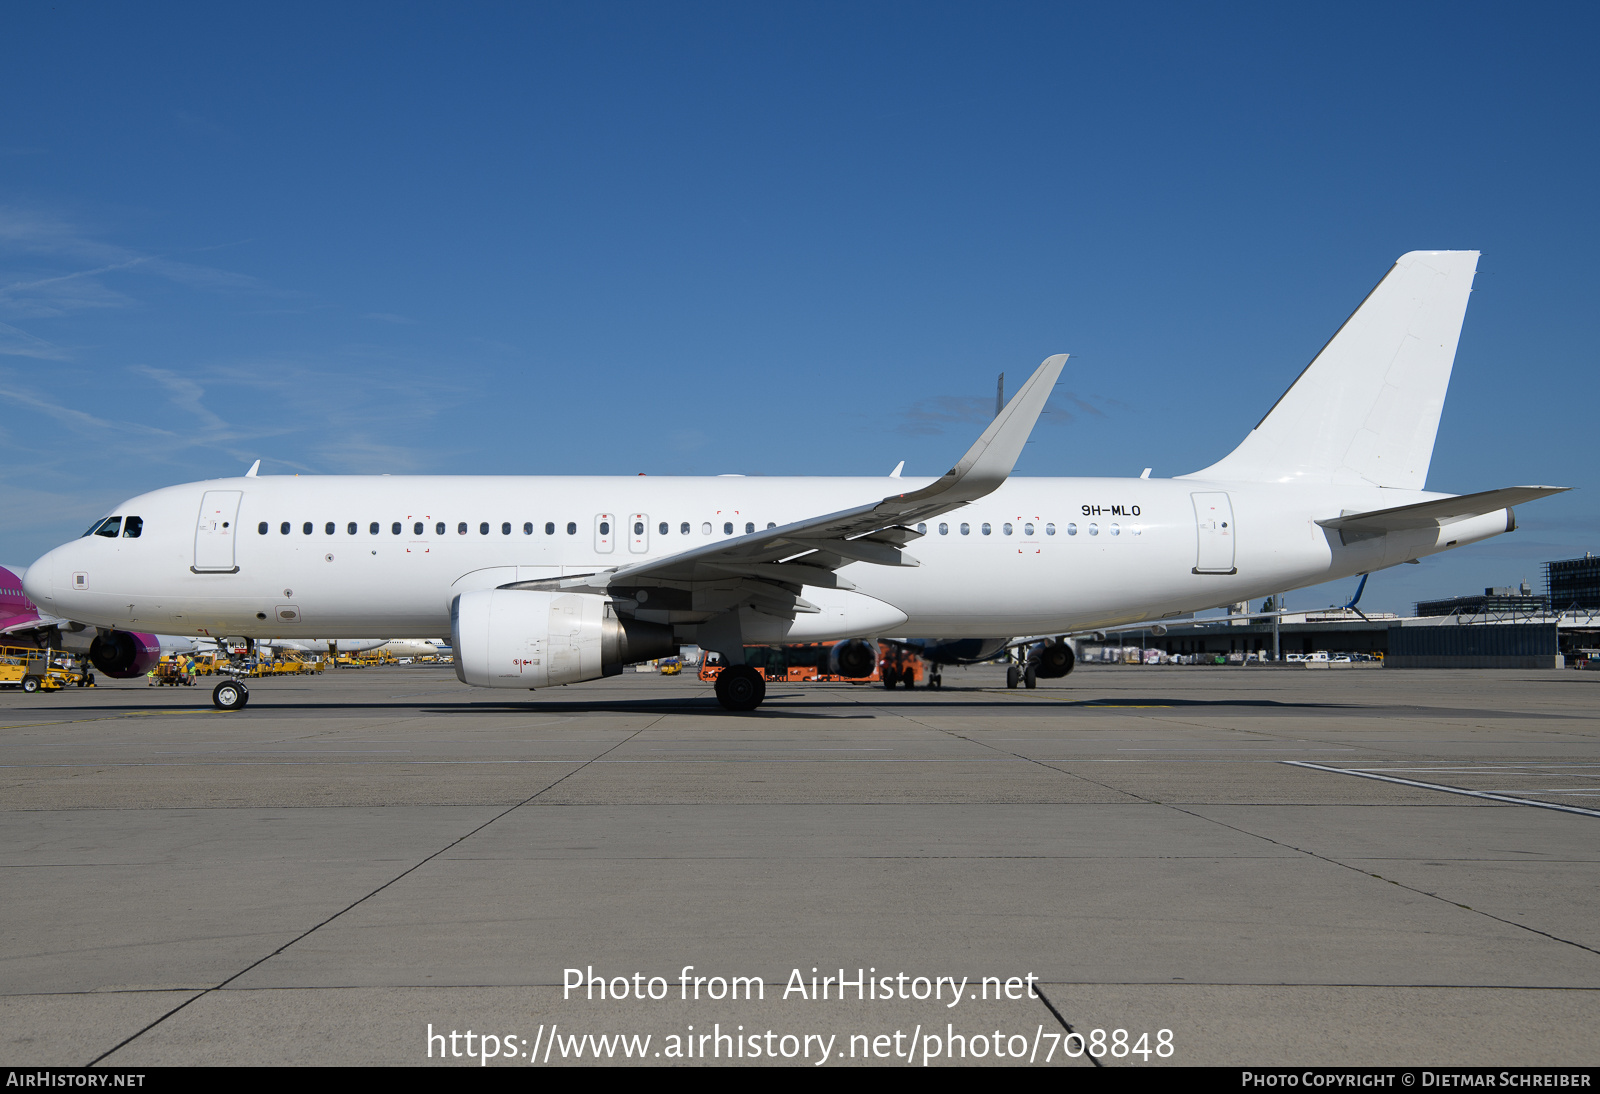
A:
(1366, 410)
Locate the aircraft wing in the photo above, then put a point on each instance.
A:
(776, 562)
(35, 622)
(1431, 514)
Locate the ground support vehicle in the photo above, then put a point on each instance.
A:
(42, 670)
(173, 672)
(801, 663)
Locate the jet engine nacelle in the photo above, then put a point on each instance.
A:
(1052, 659)
(853, 658)
(123, 655)
(524, 638)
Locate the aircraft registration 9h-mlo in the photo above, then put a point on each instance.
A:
(546, 581)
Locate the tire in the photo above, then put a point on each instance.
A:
(1013, 676)
(909, 680)
(1030, 678)
(936, 681)
(30, 684)
(890, 678)
(740, 688)
(230, 695)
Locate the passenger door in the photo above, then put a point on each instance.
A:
(1213, 517)
(217, 531)
(605, 533)
(639, 533)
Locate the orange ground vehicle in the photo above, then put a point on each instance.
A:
(810, 662)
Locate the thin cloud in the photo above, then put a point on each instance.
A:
(933, 416)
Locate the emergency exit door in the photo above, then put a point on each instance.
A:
(1213, 518)
(217, 532)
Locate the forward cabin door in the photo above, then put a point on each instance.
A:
(217, 532)
(1213, 517)
(639, 533)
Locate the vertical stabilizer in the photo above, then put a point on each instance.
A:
(1366, 410)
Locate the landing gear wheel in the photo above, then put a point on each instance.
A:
(30, 684)
(230, 695)
(909, 679)
(1013, 676)
(740, 687)
(1030, 678)
(890, 678)
(936, 681)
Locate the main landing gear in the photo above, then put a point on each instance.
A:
(1016, 674)
(230, 695)
(740, 687)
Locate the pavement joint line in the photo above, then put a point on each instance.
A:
(363, 899)
(1398, 884)
(1066, 1025)
(1504, 798)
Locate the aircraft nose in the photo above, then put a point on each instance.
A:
(40, 580)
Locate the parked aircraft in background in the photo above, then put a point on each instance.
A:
(546, 581)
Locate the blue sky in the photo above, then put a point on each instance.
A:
(774, 238)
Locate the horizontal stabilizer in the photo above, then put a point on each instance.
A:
(1431, 514)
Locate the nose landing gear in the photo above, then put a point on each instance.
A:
(230, 695)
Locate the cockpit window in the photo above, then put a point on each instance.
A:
(132, 527)
(109, 527)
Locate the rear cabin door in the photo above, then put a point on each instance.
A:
(1213, 517)
(217, 531)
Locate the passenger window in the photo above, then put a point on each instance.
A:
(284, 528)
(638, 528)
(664, 527)
(549, 527)
(395, 528)
(1094, 529)
(727, 528)
(1049, 529)
(1027, 530)
(527, 528)
(416, 529)
(683, 530)
(770, 526)
(986, 528)
(438, 529)
(1134, 529)
(505, 528)
(1006, 528)
(1072, 529)
(352, 528)
(705, 529)
(461, 529)
(483, 528)
(109, 527)
(262, 527)
(605, 528)
(966, 529)
(373, 530)
(944, 529)
(306, 527)
(922, 528)
(572, 527)
(750, 528)
(132, 527)
(330, 528)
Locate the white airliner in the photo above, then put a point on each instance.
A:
(545, 581)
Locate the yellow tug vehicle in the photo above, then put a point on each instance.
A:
(41, 670)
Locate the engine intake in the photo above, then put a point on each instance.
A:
(124, 655)
(854, 658)
(1052, 660)
(526, 638)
